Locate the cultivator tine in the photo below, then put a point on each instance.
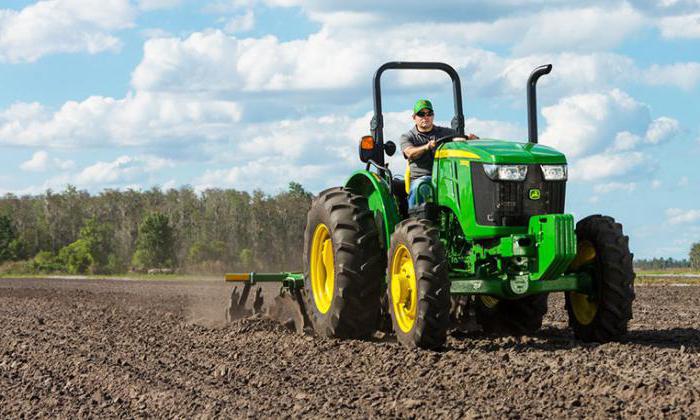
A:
(232, 312)
(306, 322)
(244, 295)
(287, 310)
(258, 301)
(237, 304)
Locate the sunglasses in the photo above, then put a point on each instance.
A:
(425, 114)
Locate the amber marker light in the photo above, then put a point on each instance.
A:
(367, 143)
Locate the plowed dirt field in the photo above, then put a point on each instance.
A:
(110, 348)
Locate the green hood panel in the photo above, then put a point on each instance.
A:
(501, 151)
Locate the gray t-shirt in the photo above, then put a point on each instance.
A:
(424, 164)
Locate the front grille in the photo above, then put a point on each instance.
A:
(507, 203)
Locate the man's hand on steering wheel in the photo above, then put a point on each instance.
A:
(447, 139)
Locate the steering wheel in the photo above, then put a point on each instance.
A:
(447, 139)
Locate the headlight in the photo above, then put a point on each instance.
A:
(554, 172)
(506, 172)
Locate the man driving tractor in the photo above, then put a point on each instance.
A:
(419, 143)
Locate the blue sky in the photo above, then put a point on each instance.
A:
(251, 94)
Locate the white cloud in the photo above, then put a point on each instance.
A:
(656, 184)
(138, 119)
(227, 6)
(605, 134)
(149, 5)
(615, 186)
(194, 89)
(41, 162)
(121, 170)
(578, 29)
(683, 75)
(213, 61)
(338, 59)
(62, 26)
(625, 140)
(122, 173)
(241, 23)
(683, 26)
(677, 216)
(37, 163)
(22, 112)
(269, 174)
(346, 57)
(662, 129)
(606, 165)
(683, 181)
(583, 124)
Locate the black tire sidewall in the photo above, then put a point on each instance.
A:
(432, 318)
(613, 277)
(358, 265)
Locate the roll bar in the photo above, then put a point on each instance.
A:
(377, 124)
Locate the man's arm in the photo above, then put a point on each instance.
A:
(414, 152)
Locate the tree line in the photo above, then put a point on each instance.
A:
(661, 263)
(117, 231)
(216, 231)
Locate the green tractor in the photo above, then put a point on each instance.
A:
(489, 239)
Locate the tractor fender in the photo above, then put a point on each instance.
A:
(381, 201)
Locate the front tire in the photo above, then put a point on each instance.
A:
(419, 289)
(603, 251)
(343, 265)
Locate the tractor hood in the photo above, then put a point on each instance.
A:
(501, 151)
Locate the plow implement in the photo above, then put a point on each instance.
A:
(287, 306)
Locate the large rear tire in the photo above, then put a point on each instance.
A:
(419, 289)
(603, 251)
(516, 317)
(343, 265)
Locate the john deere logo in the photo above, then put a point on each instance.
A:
(535, 194)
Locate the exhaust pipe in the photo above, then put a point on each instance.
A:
(532, 100)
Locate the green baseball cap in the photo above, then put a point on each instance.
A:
(422, 104)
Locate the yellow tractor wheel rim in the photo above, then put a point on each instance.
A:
(585, 254)
(322, 268)
(404, 289)
(489, 301)
(584, 307)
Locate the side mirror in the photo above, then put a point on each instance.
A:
(390, 148)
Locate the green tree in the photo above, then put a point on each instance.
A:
(8, 240)
(155, 247)
(695, 256)
(76, 257)
(201, 251)
(246, 259)
(98, 238)
(46, 262)
(91, 252)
